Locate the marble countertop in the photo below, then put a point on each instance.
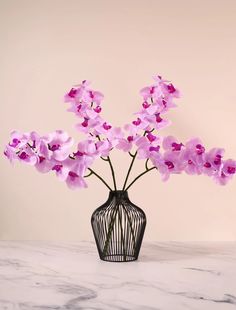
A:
(168, 276)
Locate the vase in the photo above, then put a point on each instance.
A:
(118, 227)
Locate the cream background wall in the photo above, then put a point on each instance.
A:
(47, 46)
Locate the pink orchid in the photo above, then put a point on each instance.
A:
(114, 135)
(18, 140)
(82, 93)
(212, 161)
(125, 144)
(148, 146)
(140, 138)
(20, 147)
(195, 145)
(75, 181)
(27, 156)
(102, 128)
(171, 144)
(228, 170)
(10, 153)
(171, 90)
(190, 162)
(104, 147)
(44, 165)
(61, 170)
(58, 145)
(169, 164)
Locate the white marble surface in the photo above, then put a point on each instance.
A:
(168, 276)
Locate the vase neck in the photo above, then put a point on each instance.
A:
(119, 195)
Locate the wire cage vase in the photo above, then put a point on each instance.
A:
(118, 227)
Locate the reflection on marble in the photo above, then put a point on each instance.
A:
(69, 276)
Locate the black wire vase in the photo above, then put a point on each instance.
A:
(118, 227)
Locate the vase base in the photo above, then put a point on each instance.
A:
(118, 258)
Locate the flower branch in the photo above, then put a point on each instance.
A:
(139, 176)
(52, 152)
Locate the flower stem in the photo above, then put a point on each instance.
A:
(111, 166)
(139, 176)
(112, 172)
(100, 178)
(132, 162)
(88, 175)
(130, 167)
(146, 164)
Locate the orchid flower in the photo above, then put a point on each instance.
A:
(140, 139)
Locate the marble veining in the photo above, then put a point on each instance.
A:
(69, 276)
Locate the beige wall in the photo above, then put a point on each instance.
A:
(46, 46)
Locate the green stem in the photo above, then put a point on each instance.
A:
(100, 178)
(139, 176)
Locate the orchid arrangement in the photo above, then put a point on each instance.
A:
(140, 139)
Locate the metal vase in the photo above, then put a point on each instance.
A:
(118, 227)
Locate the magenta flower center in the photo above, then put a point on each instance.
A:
(231, 170)
(200, 149)
(152, 90)
(106, 126)
(130, 138)
(91, 94)
(78, 153)
(79, 107)
(15, 142)
(57, 168)
(72, 93)
(34, 144)
(171, 88)
(164, 103)
(137, 122)
(73, 175)
(176, 146)
(217, 160)
(154, 148)
(169, 164)
(23, 155)
(41, 159)
(98, 109)
(151, 137)
(207, 165)
(54, 147)
(158, 118)
(223, 175)
(85, 123)
(146, 105)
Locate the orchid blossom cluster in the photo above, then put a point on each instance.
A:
(140, 139)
